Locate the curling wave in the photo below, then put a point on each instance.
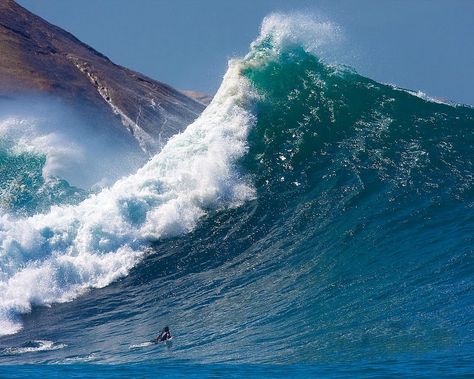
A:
(319, 216)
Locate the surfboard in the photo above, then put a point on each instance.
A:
(141, 345)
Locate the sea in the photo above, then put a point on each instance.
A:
(312, 222)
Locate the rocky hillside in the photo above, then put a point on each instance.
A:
(38, 57)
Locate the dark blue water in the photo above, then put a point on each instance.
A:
(355, 257)
(388, 368)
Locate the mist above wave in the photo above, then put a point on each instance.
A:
(85, 153)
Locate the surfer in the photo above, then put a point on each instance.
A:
(164, 335)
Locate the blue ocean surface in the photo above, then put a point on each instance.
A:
(312, 222)
(388, 368)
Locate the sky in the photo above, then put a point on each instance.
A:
(425, 45)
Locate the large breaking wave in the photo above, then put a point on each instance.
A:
(319, 214)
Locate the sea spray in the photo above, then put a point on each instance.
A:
(88, 154)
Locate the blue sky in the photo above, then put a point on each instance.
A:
(423, 45)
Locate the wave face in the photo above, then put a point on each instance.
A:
(309, 215)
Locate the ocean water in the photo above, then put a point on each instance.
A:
(311, 222)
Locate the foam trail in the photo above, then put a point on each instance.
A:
(34, 347)
(140, 345)
(55, 257)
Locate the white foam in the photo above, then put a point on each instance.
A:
(76, 359)
(55, 257)
(34, 347)
(317, 36)
(422, 95)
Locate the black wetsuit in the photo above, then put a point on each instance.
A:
(165, 335)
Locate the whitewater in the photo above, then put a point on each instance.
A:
(54, 257)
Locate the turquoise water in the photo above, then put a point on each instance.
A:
(24, 190)
(353, 256)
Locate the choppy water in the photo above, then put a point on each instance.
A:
(311, 222)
